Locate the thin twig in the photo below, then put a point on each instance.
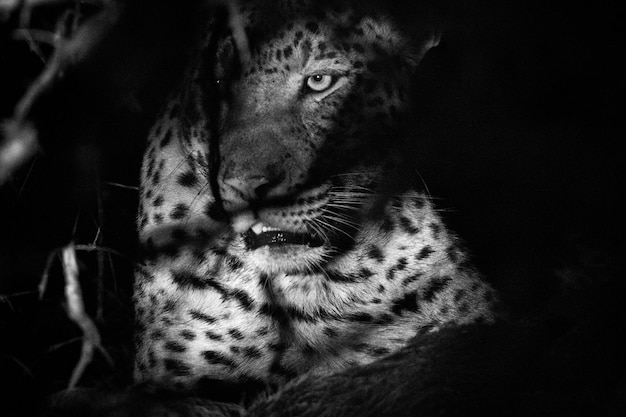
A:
(5, 297)
(22, 366)
(91, 248)
(43, 283)
(100, 254)
(124, 186)
(61, 345)
(26, 178)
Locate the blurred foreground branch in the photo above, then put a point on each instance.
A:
(18, 135)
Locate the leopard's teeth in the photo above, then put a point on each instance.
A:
(259, 228)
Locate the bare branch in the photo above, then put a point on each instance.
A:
(76, 312)
(236, 24)
(237, 27)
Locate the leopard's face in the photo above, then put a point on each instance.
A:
(306, 128)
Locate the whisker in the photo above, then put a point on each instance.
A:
(350, 193)
(351, 189)
(348, 223)
(327, 212)
(191, 204)
(317, 229)
(344, 206)
(349, 199)
(329, 226)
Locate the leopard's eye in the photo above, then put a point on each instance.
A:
(319, 82)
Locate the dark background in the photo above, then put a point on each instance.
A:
(518, 127)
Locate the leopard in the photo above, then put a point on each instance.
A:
(280, 233)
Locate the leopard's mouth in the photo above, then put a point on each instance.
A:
(259, 234)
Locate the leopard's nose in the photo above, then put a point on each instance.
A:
(250, 181)
(254, 186)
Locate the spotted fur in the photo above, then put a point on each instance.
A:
(353, 265)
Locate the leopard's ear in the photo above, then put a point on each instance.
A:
(432, 39)
(420, 40)
(411, 46)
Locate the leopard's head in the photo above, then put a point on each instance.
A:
(307, 127)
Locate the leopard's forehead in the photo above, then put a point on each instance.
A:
(269, 23)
